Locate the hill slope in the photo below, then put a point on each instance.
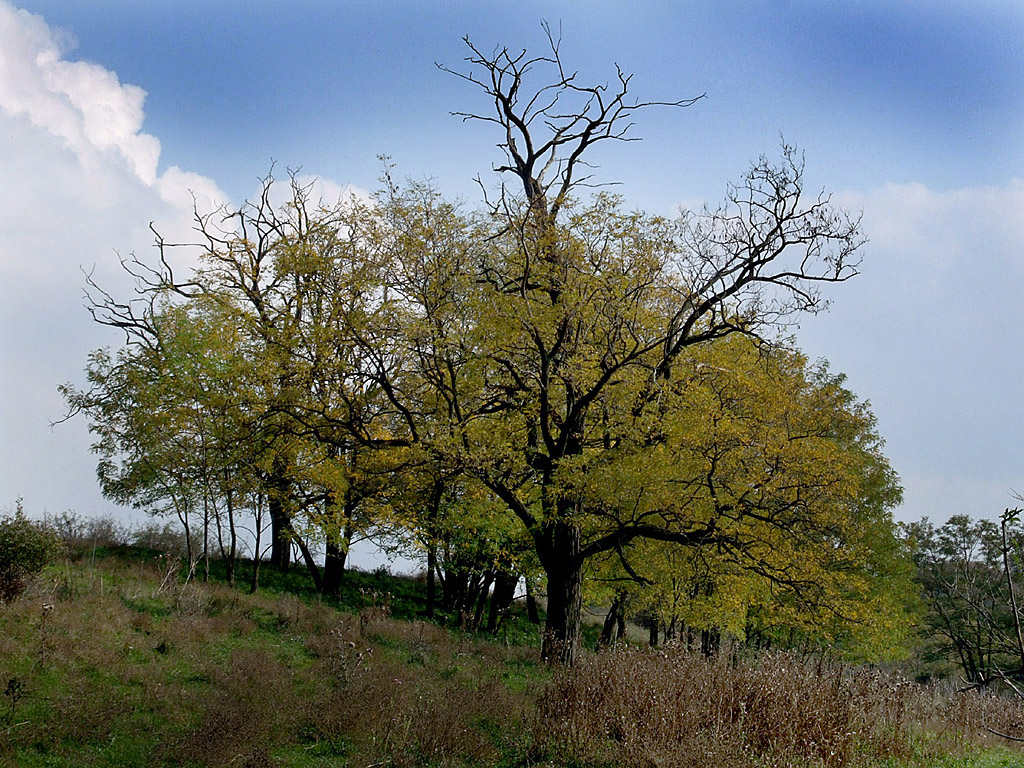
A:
(117, 661)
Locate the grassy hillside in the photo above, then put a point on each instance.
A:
(111, 659)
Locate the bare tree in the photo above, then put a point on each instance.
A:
(571, 117)
(740, 268)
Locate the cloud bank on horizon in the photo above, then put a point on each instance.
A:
(80, 182)
(928, 333)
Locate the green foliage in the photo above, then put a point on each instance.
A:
(484, 426)
(968, 611)
(26, 547)
(525, 389)
(783, 466)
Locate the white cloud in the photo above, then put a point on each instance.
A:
(82, 103)
(930, 333)
(186, 190)
(329, 192)
(959, 229)
(80, 183)
(319, 191)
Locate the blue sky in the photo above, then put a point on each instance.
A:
(902, 91)
(111, 113)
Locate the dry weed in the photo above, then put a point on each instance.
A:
(633, 707)
(254, 700)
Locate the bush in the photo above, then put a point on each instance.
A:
(167, 538)
(77, 532)
(26, 546)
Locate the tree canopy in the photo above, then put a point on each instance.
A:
(584, 387)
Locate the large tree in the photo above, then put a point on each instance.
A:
(543, 348)
(553, 334)
(245, 323)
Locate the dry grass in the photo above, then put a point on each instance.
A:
(640, 708)
(411, 693)
(127, 669)
(250, 705)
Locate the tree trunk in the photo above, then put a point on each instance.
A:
(564, 568)
(608, 628)
(1008, 516)
(709, 641)
(280, 545)
(231, 553)
(307, 556)
(501, 599)
(254, 582)
(431, 579)
(334, 567)
(481, 602)
(206, 535)
(531, 604)
(454, 588)
(257, 554)
(279, 489)
(433, 513)
(336, 553)
(182, 512)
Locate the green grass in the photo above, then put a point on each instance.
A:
(994, 757)
(120, 671)
(128, 669)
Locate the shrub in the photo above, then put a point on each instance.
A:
(78, 532)
(26, 546)
(167, 538)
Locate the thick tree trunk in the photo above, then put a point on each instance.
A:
(280, 521)
(564, 568)
(336, 552)
(431, 579)
(501, 599)
(454, 588)
(334, 567)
